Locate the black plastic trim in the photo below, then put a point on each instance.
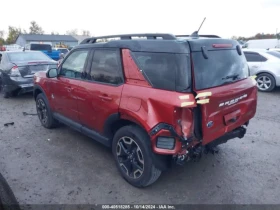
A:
(80, 128)
(108, 124)
(37, 87)
(128, 36)
(236, 133)
(164, 126)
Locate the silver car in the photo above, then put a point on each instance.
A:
(265, 64)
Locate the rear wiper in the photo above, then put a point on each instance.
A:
(233, 77)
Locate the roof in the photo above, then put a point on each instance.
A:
(48, 37)
(164, 46)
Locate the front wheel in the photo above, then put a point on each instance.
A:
(133, 154)
(44, 112)
(265, 82)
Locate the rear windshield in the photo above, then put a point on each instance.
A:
(274, 53)
(166, 71)
(221, 67)
(41, 47)
(27, 56)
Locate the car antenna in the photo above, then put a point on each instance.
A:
(195, 34)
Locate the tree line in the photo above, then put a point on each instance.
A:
(258, 36)
(34, 28)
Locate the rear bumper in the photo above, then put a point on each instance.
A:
(236, 133)
(18, 83)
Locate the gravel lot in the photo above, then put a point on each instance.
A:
(62, 166)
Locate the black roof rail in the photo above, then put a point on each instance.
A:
(209, 36)
(129, 36)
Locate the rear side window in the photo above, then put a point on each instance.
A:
(221, 67)
(105, 67)
(254, 57)
(41, 47)
(165, 71)
(28, 56)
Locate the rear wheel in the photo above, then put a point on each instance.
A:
(133, 154)
(2, 90)
(44, 112)
(265, 82)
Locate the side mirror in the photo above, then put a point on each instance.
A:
(52, 73)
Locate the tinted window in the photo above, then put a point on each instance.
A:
(165, 70)
(274, 53)
(221, 67)
(27, 56)
(106, 67)
(41, 47)
(254, 57)
(74, 64)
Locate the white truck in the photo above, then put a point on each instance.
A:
(262, 44)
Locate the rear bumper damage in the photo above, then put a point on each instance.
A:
(23, 85)
(195, 152)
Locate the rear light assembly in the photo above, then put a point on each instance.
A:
(15, 72)
(164, 142)
(222, 45)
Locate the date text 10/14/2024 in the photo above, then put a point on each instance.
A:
(138, 206)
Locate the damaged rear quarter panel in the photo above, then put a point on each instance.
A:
(148, 107)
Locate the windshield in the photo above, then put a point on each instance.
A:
(27, 56)
(274, 53)
(41, 47)
(165, 71)
(221, 67)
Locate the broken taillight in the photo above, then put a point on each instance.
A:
(15, 72)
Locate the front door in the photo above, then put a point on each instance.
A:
(64, 91)
(100, 90)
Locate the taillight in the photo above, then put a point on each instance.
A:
(222, 45)
(15, 72)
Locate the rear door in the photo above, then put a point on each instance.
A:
(226, 96)
(100, 89)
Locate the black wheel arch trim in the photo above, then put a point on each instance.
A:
(37, 87)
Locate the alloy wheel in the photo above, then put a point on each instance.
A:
(42, 111)
(264, 82)
(130, 157)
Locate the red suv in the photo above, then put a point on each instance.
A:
(152, 98)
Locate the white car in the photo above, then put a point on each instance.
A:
(265, 64)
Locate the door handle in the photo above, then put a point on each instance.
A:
(105, 97)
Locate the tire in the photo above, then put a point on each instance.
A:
(265, 82)
(8, 200)
(44, 112)
(2, 91)
(131, 143)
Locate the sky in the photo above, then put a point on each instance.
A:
(225, 18)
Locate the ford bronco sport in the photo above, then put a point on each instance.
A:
(152, 99)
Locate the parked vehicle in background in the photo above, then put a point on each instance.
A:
(152, 100)
(17, 69)
(265, 64)
(45, 48)
(274, 49)
(62, 50)
(262, 43)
